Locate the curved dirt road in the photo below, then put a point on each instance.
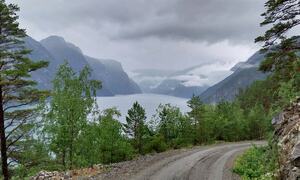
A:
(204, 163)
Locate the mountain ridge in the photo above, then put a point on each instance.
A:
(245, 73)
(57, 50)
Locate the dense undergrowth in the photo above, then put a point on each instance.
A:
(258, 163)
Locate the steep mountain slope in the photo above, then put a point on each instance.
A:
(244, 74)
(56, 50)
(113, 76)
(64, 51)
(39, 52)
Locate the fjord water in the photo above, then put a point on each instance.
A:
(149, 101)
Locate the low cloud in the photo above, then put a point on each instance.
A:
(160, 34)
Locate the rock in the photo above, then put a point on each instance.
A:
(278, 119)
(296, 156)
(287, 131)
(67, 177)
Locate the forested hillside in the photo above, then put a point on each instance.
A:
(244, 75)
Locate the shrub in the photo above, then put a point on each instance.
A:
(156, 144)
(257, 163)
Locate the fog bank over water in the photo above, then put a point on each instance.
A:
(149, 101)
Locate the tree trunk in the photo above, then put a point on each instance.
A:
(3, 140)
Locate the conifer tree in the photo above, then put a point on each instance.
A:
(282, 15)
(197, 116)
(135, 125)
(281, 47)
(16, 88)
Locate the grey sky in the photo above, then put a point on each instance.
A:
(150, 33)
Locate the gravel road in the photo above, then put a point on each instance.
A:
(203, 163)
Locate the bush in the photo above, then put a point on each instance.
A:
(156, 144)
(257, 163)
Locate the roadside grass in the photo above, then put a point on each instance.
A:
(257, 163)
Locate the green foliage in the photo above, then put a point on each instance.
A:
(104, 142)
(226, 121)
(156, 144)
(197, 117)
(229, 123)
(135, 126)
(71, 139)
(113, 146)
(171, 124)
(66, 116)
(281, 87)
(17, 90)
(282, 15)
(262, 92)
(289, 90)
(257, 163)
(282, 52)
(33, 158)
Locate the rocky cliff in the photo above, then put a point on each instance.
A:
(287, 132)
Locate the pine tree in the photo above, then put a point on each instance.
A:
(197, 116)
(280, 46)
(16, 89)
(135, 125)
(282, 15)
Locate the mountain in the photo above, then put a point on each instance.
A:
(244, 74)
(177, 88)
(149, 79)
(112, 75)
(183, 83)
(64, 51)
(56, 50)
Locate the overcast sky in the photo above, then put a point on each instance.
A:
(164, 34)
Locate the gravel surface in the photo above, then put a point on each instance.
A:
(204, 163)
(212, 162)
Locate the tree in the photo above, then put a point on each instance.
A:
(282, 15)
(281, 46)
(197, 116)
(169, 122)
(32, 157)
(135, 125)
(73, 99)
(262, 92)
(17, 91)
(185, 128)
(112, 144)
(258, 122)
(229, 122)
